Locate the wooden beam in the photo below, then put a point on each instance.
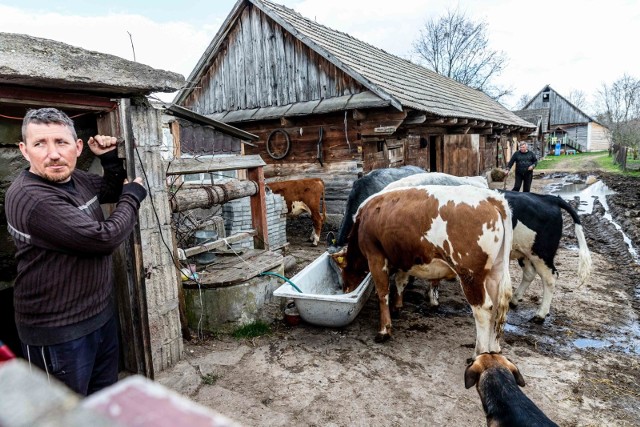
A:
(192, 116)
(184, 254)
(259, 210)
(135, 266)
(17, 95)
(415, 119)
(197, 165)
(175, 132)
(211, 195)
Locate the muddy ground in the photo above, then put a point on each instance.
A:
(582, 366)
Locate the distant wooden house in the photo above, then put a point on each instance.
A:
(556, 117)
(326, 104)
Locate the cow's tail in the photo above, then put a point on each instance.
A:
(584, 256)
(505, 289)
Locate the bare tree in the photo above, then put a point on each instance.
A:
(578, 98)
(523, 101)
(619, 110)
(457, 47)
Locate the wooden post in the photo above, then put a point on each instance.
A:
(135, 269)
(259, 210)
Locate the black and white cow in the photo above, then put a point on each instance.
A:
(537, 230)
(362, 188)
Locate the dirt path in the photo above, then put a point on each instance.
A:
(582, 366)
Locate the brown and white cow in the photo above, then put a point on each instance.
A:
(435, 232)
(304, 195)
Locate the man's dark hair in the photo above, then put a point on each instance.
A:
(47, 116)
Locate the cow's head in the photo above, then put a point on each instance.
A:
(298, 207)
(350, 274)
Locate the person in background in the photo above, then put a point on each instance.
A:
(525, 162)
(63, 292)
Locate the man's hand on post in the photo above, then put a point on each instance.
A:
(101, 144)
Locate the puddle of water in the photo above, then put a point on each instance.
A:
(590, 343)
(568, 189)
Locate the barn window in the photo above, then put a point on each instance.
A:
(380, 146)
(545, 97)
(423, 142)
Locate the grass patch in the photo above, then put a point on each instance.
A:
(551, 162)
(209, 379)
(252, 330)
(601, 158)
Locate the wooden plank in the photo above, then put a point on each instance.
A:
(175, 133)
(189, 166)
(250, 63)
(259, 210)
(280, 69)
(183, 254)
(133, 249)
(232, 270)
(56, 99)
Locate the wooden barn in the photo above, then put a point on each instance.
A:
(558, 118)
(328, 105)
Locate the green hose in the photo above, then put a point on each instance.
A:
(269, 273)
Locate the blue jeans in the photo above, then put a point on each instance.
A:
(86, 364)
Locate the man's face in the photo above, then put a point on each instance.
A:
(523, 148)
(51, 151)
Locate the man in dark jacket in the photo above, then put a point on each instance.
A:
(525, 162)
(63, 294)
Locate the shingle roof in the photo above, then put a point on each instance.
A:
(401, 82)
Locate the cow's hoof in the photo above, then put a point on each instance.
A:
(537, 319)
(380, 338)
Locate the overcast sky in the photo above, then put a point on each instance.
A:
(568, 44)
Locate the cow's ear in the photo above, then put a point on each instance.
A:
(472, 374)
(339, 259)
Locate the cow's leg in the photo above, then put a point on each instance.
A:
(380, 276)
(432, 293)
(484, 328)
(401, 279)
(317, 228)
(548, 287)
(489, 303)
(528, 274)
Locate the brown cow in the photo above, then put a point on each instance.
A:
(304, 195)
(435, 232)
